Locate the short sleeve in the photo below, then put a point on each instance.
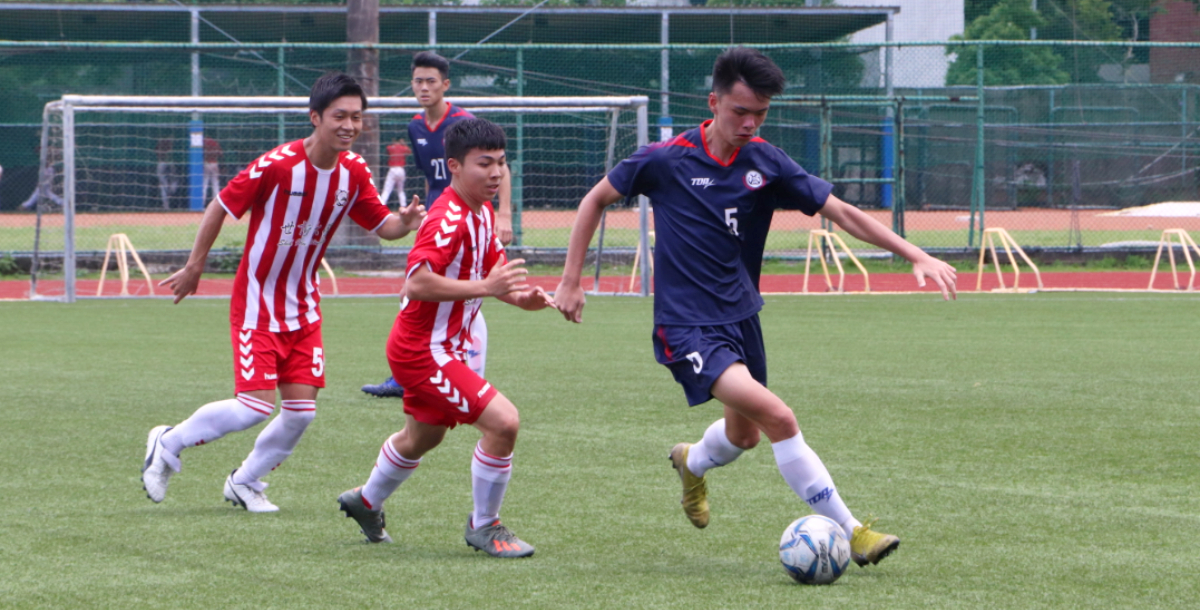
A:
(244, 190)
(367, 211)
(796, 189)
(631, 176)
(437, 241)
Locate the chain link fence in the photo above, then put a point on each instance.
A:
(1063, 165)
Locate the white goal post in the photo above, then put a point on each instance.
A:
(112, 158)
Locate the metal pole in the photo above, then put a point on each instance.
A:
(196, 130)
(432, 28)
(610, 158)
(977, 173)
(643, 138)
(665, 127)
(68, 202)
(281, 91)
(518, 166)
(898, 208)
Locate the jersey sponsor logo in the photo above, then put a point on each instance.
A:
(270, 376)
(754, 180)
(704, 182)
(421, 141)
(296, 193)
(294, 233)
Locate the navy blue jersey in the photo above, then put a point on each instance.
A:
(429, 148)
(701, 206)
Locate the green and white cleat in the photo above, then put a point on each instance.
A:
(371, 522)
(868, 546)
(695, 491)
(497, 541)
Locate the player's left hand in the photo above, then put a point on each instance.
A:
(942, 274)
(412, 214)
(504, 229)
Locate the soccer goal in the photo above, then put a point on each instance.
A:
(146, 166)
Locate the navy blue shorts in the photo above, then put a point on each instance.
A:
(697, 355)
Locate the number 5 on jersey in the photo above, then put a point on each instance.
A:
(318, 368)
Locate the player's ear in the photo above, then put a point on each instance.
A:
(315, 117)
(712, 101)
(445, 85)
(453, 165)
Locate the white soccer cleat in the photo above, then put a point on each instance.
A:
(159, 465)
(247, 497)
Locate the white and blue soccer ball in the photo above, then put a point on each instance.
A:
(814, 550)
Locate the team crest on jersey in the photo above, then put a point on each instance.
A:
(342, 198)
(754, 180)
(421, 141)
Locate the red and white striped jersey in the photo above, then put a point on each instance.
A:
(294, 210)
(458, 244)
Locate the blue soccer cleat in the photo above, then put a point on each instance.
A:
(388, 389)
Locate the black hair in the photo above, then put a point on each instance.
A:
(330, 87)
(429, 59)
(748, 66)
(469, 134)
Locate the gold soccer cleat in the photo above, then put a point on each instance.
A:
(695, 492)
(867, 546)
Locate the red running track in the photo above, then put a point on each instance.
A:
(881, 283)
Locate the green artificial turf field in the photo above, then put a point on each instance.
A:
(1038, 451)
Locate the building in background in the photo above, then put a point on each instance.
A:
(917, 21)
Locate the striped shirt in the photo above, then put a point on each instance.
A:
(294, 210)
(458, 244)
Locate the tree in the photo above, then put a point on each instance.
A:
(1007, 65)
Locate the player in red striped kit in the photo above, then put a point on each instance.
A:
(297, 195)
(456, 261)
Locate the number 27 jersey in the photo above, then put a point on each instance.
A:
(429, 150)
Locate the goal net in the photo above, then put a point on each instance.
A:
(146, 167)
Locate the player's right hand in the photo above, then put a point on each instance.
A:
(570, 300)
(182, 283)
(506, 278)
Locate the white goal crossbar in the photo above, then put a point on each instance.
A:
(70, 105)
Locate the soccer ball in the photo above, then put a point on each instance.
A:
(814, 550)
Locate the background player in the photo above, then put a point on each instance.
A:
(711, 185)
(397, 156)
(457, 260)
(426, 133)
(297, 194)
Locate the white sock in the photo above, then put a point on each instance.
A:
(489, 481)
(477, 352)
(391, 469)
(276, 442)
(216, 419)
(809, 478)
(713, 450)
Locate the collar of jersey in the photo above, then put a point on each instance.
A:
(449, 107)
(704, 143)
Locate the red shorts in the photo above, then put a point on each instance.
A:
(441, 396)
(263, 359)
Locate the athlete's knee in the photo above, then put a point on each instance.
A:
(779, 423)
(745, 441)
(298, 414)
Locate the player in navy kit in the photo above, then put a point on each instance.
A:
(427, 134)
(710, 186)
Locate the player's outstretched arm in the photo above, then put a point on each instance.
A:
(857, 223)
(568, 297)
(504, 216)
(185, 281)
(409, 220)
(504, 278)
